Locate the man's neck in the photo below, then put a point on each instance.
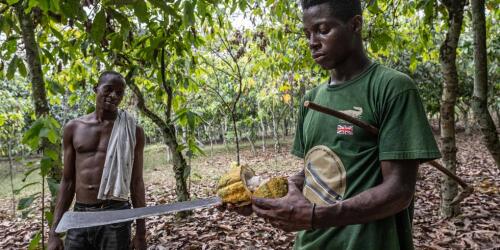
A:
(351, 68)
(102, 115)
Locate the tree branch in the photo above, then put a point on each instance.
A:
(141, 103)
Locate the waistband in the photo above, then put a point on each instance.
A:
(102, 205)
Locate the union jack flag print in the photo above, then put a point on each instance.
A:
(345, 129)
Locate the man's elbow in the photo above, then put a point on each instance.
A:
(404, 197)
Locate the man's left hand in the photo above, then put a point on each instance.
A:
(139, 242)
(290, 213)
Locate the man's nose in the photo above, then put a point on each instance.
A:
(314, 43)
(113, 94)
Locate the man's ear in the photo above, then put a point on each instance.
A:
(357, 23)
(95, 88)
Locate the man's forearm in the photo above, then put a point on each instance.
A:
(64, 199)
(394, 194)
(365, 207)
(138, 200)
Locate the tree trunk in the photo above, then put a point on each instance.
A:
(11, 173)
(285, 123)
(467, 125)
(480, 95)
(276, 138)
(447, 57)
(236, 139)
(39, 95)
(180, 167)
(263, 128)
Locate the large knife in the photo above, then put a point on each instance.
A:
(91, 219)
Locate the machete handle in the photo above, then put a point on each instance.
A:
(467, 190)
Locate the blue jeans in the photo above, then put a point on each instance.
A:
(113, 236)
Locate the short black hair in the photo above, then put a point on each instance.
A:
(106, 73)
(341, 9)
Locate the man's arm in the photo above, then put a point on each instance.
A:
(67, 186)
(137, 185)
(394, 194)
(294, 212)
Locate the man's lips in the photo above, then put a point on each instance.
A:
(110, 102)
(317, 55)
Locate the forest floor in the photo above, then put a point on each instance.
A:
(477, 227)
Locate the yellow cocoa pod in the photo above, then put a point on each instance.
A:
(240, 183)
(276, 187)
(232, 186)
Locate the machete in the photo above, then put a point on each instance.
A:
(72, 220)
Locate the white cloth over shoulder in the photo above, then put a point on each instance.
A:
(117, 172)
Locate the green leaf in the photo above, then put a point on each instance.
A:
(373, 8)
(243, 5)
(25, 202)
(55, 88)
(72, 9)
(35, 242)
(164, 7)
(11, 2)
(31, 136)
(11, 70)
(121, 18)
(53, 122)
(53, 186)
(18, 191)
(49, 216)
(117, 42)
(57, 34)
(52, 136)
(413, 63)
(52, 154)
(98, 26)
(27, 173)
(21, 67)
(141, 11)
(188, 18)
(45, 165)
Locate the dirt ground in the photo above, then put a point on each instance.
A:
(478, 226)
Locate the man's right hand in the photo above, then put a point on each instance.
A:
(243, 210)
(55, 243)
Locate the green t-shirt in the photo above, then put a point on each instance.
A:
(342, 160)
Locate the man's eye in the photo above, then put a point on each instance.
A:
(323, 30)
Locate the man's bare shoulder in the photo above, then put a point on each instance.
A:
(85, 120)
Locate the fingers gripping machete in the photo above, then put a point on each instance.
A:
(72, 220)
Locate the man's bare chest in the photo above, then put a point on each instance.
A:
(92, 138)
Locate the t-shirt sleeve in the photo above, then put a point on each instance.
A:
(298, 142)
(405, 133)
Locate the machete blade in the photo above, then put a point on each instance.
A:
(72, 220)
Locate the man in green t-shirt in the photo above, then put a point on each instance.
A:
(356, 189)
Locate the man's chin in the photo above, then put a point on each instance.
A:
(110, 108)
(327, 66)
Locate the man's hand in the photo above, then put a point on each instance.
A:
(290, 213)
(243, 210)
(55, 243)
(297, 180)
(139, 243)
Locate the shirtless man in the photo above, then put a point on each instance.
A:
(85, 143)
